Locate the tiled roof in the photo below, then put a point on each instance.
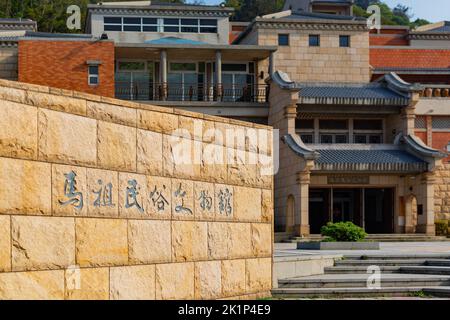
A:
(369, 94)
(301, 15)
(368, 160)
(350, 91)
(174, 40)
(409, 58)
(366, 156)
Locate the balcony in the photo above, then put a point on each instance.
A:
(147, 91)
(436, 91)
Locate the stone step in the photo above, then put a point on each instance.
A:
(382, 262)
(438, 292)
(359, 269)
(431, 256)
(425, 270)
(360, 281)
(438, 263)
(379, 238)
(292, 293)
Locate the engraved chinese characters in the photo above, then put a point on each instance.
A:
(144, 196)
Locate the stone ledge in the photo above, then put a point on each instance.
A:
(121, 103)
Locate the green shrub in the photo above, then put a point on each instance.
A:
(343, 232)
(441, 227)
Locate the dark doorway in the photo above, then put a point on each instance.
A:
(372, 209)
(319, 209)
(379, 211)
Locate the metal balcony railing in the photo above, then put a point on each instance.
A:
(145, 91)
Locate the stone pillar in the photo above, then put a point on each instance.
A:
(408, 119)
(163, 74)
(304, 180)
(219, 83)
(409, 214)
(426, 221)
(290, 113)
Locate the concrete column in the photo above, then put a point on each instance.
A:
(271, 63)
(304, 180)
(163, 74)
(219, 84)
(426, 221)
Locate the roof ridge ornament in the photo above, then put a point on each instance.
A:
(283, 80)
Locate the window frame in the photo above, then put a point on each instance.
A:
(202, 26)
(288, 39)
(344, 36)
(93, 75)
(311, 36)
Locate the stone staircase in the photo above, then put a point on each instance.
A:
(376, 238)
(426, 275)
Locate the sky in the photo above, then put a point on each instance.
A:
(431, 10)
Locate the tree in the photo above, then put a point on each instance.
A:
(50, 15)
(247, 10)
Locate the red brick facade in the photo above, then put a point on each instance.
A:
(63, 64)
(437, 139)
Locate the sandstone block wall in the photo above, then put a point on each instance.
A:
(93, 205)
(327, 63)
(442, 193)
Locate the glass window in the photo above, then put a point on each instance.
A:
(131, 66)
(153, 21)
(171, 25)
(183, 67)
(375, 139)
(93, 75)
(208, 26)
(314, 40)
(420, 123)
(234, 67)
(189, 25)
(283, 40)
(360, 139)
(441, 123)
(368, 124)
(333, 124)
(112, 23)
(341, 138)
(115, 20)
(132, 21)
(304, 124)
(307, 138)
(344, 41)
(113, 27)
(326, 139)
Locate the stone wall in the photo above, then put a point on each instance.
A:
(8, 63)
(442, 193)
(327, 63)
(93, 204)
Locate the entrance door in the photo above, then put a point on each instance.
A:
(379, 211)
(319, 209)
(372, 209)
